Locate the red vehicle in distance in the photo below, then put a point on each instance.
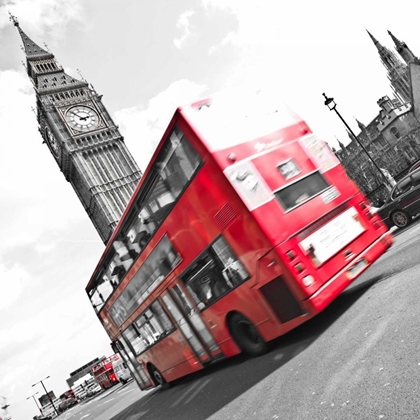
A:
(104, 374)
(243, 226)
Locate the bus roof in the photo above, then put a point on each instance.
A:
(231, 118)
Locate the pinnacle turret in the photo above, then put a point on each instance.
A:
(375, 41)
(396, 69)
(42, 68)
(360, 125)
(402, 49)
(32, 50)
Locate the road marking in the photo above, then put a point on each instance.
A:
(125, 391)
(188, 394)
(86, 415)
(105, 402)
(137, 415)
(413, 230)
(185, 394)
(197, 391)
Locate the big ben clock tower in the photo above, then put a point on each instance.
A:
(82, 138)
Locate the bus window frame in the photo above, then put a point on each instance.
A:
(219, 265)
(289, 185)
(146, 190)
(137, 329)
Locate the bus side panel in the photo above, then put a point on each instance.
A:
(172, 356)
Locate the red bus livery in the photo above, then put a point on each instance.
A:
(244, 226)
(104, 374)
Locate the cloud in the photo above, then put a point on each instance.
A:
(184, 25)
(227, 40)
(144, 127)
(12, 283)
(39, 16)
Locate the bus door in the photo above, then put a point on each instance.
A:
(191, 324)
(120, 346)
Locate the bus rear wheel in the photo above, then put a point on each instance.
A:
(246, 336)
(158, 378)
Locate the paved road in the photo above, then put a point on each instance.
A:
(105, 405)
(359, 359)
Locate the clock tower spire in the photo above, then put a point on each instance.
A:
(82, 138)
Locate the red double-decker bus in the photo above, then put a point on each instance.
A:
(244, 226)
(104, 374)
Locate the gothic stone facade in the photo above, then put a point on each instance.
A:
(82, 138)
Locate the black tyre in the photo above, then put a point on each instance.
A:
(246, 336)
(158, 378)
(401, 219)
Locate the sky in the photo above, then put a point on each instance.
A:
(147, 58)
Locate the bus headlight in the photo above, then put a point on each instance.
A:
(308, 281)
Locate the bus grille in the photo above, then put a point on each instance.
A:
(224, 216)
(281, 300)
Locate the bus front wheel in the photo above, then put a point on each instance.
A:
(246, 335)
(157, 377)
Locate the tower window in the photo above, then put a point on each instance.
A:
(394, 131)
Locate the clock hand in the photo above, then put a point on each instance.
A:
(84, 118)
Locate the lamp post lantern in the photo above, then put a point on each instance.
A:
(46, 393)
(33, 396)
(332, 106)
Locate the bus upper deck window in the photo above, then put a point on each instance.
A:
(301, 191)
(289, 169)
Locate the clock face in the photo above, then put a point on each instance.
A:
(55, 148)
(82, 118)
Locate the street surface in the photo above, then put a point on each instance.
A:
(359, 359)
(105, 405)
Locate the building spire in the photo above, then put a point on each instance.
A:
(397, 42)
(32, 50)
(44, 71)
(375, 41)
(402, 49)
(396, 69)
(360, 124)
(342, 147)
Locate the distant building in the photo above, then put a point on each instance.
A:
(82, 372)
(392, 138)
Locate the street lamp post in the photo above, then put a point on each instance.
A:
(33, 396)
(332, 106)
(46, 393)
